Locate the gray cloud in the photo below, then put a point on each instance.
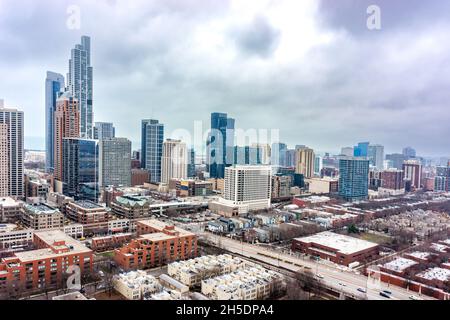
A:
(317, 74)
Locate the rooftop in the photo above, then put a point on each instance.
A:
(86, 204)
(342, 243)
(71, 296)
(161, 226)
(400, 264)
(435, 274)
(8, 202)
(40, 208)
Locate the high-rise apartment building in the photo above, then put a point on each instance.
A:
(220, 144)
(376, 156)
(54, 85)
(248, 186)
(4, 160)
(152, 147)
(114, 162)
(413, 173)
(174, 160)
(305, 160)
(80, 84)
(392, 179)
(14, 121)
(104, 130)
(66, 125)
(80, 168)
(353, 178)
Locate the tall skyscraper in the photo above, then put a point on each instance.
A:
(191, 163)
(66, 125)
(104, 130)
(152, 139)
(246, 155)
(291, 155)
(376, 156)
(409, 152)
(361, 150)
(220, 144)
(174, 160)
(4, 160)
(114, 162)
(264, 152)
(305, 160)
(80, 84)
(14, 120)
(397, 160)
(80, 168)
(412, 170)
(279, 154)
(353, 178)
(54, 85)
(318, 165)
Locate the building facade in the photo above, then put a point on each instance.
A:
(174, 160)
(104, 130)
(54, 85)
(14, 120)
(353, 178)
(305, 160)
(114, 162)
(80, 84)
(152, 147)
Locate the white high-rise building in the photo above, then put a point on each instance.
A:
(4, 160)
(376, 156)
(13, 119)
(79, 82)
(248, 187)
(174, 160)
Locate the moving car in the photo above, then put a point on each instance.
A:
(383, 294)
(361, 290)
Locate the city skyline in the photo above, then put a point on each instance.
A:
(267, 73)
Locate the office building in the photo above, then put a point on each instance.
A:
(291, 155)
(152, 147)
(114, 162)
(264, 153)
(281, 186)
(246, 156)
(396, 160)
(409, 152)
(66, 125)
(412, 170)
(361, 150)
(86, 212)
(191, 187)
(41, 216)
(139, 177)
(80, 84)
(220, 144)
(191, 163)
(353, 178)
(305, 160)
(80, 164)
(279, 154)
(104, 130)
(14, 120)
(54, 85)
(174, 160)
(376, 156)
(318, 165)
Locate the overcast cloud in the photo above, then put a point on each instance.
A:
(311, 69)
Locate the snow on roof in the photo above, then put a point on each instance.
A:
(342, 243)
(419, 255)
(399, 264)
(440, 274)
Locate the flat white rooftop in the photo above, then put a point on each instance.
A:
(341, 243)
(399, 264)
(440, 274)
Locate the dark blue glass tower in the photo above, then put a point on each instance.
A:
(152, 147)
(220, 144)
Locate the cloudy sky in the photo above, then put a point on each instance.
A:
(309, 68)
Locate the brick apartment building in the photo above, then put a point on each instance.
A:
(158, 244)
(92, 216)
(337, 248)
(45, 266)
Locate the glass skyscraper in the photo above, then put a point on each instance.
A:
(80, 168)
(220, 144)
(279, 153)
(361, 150)
(104, 130)
(79, 81)
(54, 85)
(353, 178)
(152, 138)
